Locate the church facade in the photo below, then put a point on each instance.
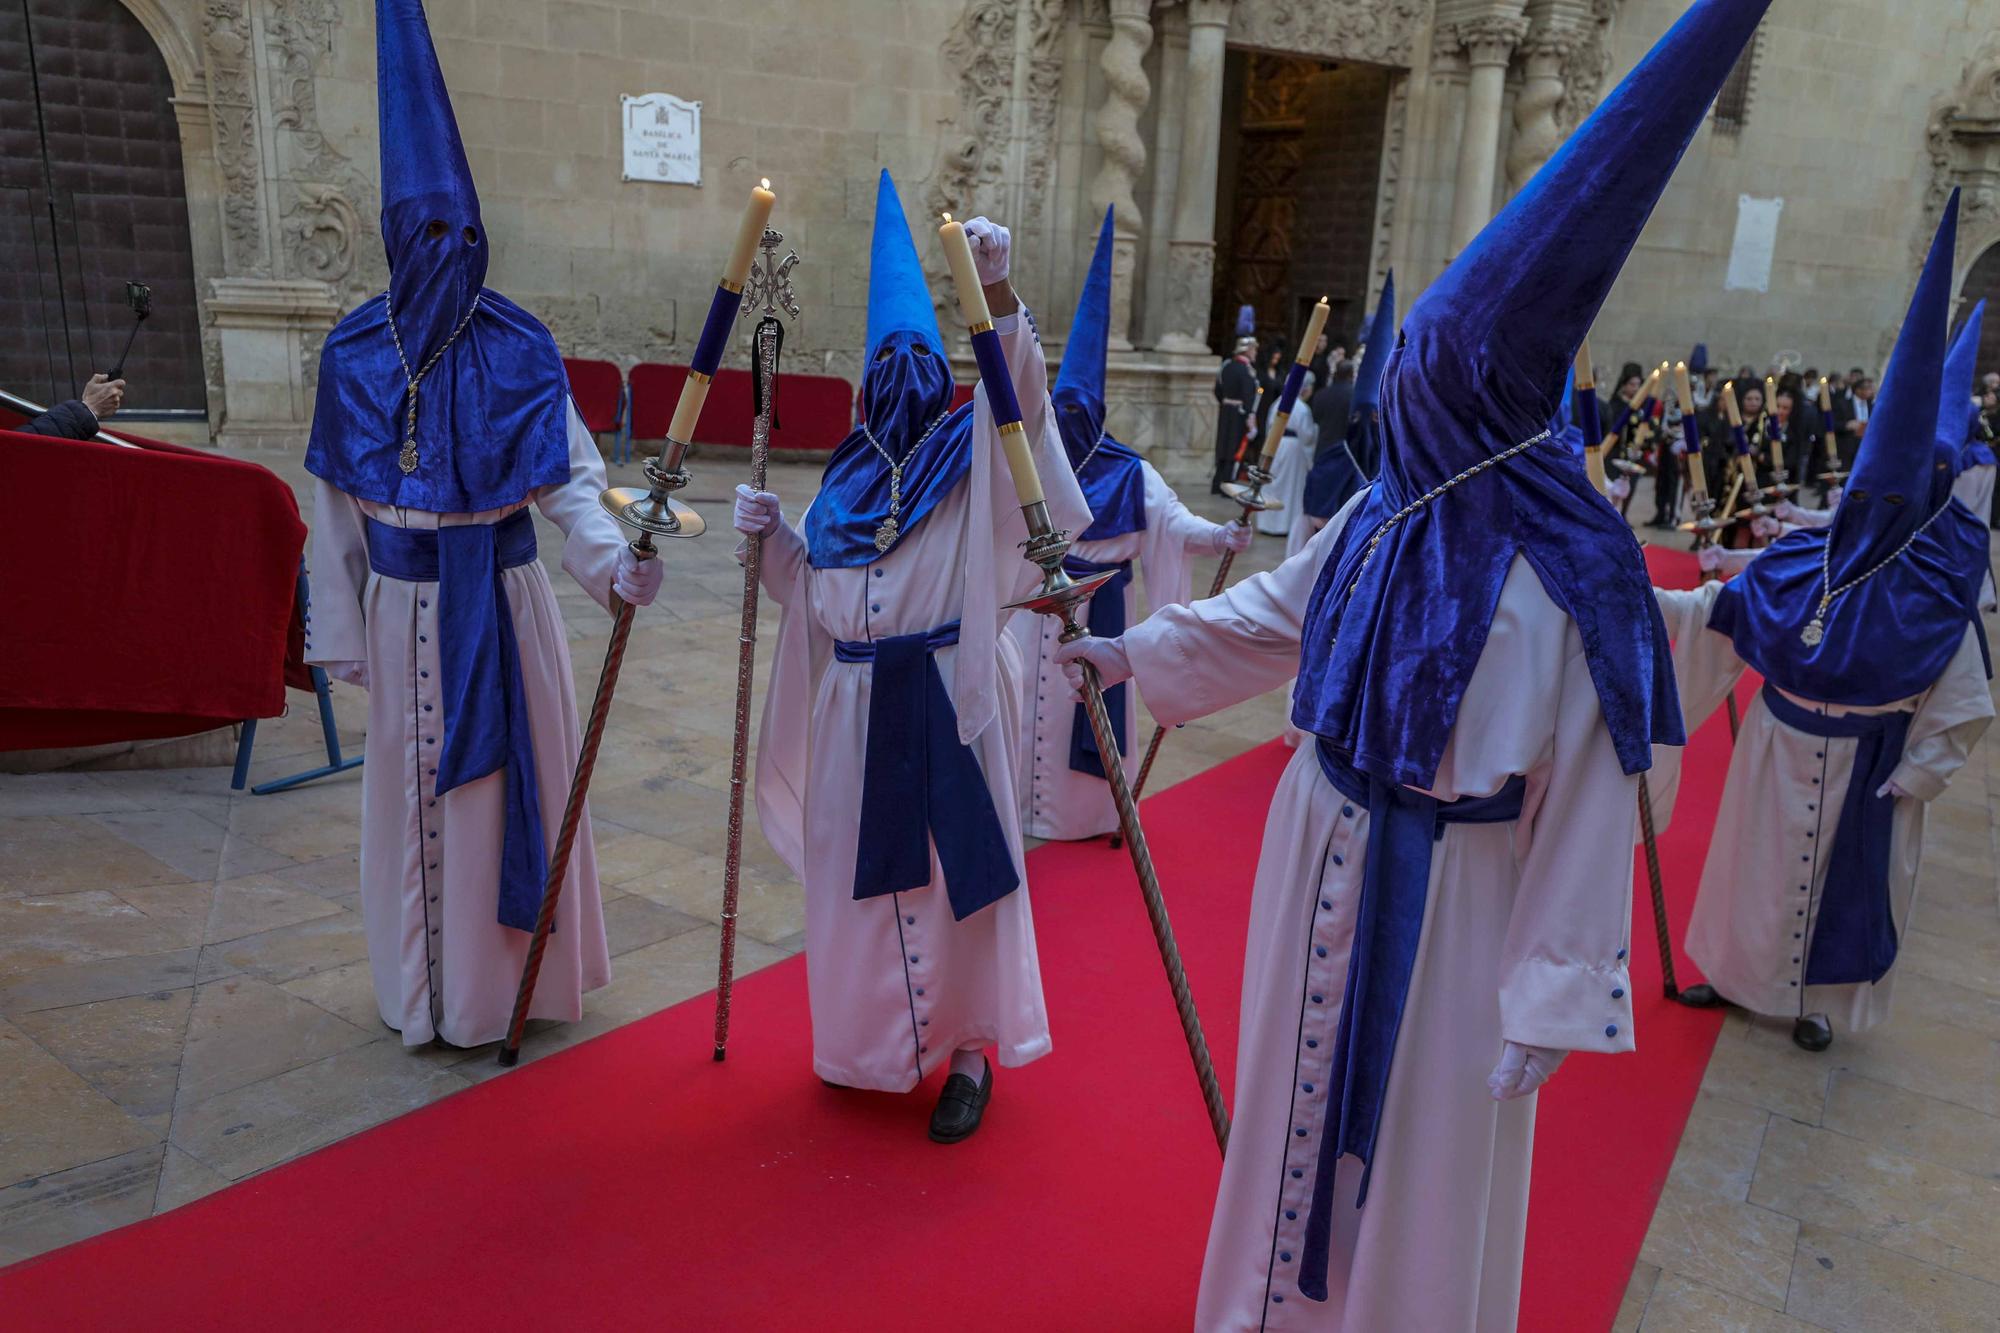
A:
(1258, 154)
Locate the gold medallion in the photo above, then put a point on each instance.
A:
(1812, 633)
(885, 536)
(407, 460)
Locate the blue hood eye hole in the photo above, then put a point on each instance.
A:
(1894, 499)
(435, 229)
(471, 236)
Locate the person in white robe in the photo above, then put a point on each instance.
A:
(1811, 874)
(1442, 907)
(1139, 527)
(427, 591)
(920, 945)
(1290, 464)
(1974, 445)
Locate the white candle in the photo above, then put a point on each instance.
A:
(979, 318)
(1315, 325)
(1684, 391)
(755, 214)
(687, 411)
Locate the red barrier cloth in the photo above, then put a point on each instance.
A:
(596, 388)
(143, 592)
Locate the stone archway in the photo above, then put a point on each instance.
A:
(1982, 283)
(93, 195)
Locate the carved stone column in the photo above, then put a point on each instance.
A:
(1556, 38)
(1489, 44)
(1126, 91)
(1191, 254)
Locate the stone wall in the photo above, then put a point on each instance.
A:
(1842, 96)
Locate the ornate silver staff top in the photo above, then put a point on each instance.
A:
(770, 279)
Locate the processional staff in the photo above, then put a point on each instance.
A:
(652, 512)
(1586, 416)
(770, 284)
(1252, 496)
(1064, 597)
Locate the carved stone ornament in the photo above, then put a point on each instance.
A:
(1376, 32)
(1490, 39)
(232, 102)
(1963, 138)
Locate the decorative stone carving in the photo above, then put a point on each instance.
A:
(1490, 39)
(1126, 92)
(1377, 32)
(1537, 134)
(321, 226)
(1388, 180)
(1963, 138)
(233, 104)
(972, 153)
(1043, 90)
(1586, 66)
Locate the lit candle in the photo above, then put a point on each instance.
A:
(755, 215)
(1771, 407)
(1288, 401)
(722, 308)
(1826, 425)
(1730, 410)
(1586, 374)
(993, 372)
(1690, 431)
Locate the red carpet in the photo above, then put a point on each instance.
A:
(631, 1182)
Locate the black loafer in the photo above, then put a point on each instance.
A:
(961, 1106)
(1701, 995)
(1812, 1033)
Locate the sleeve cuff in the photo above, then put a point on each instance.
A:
(1568, 1006)
(1918, 782)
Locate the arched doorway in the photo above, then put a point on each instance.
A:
(1982, 283)
(92, 196)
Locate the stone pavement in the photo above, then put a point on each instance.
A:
(184, 997)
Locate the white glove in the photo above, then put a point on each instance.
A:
(758, 513)
(1521, 1070)
(1107, 655)
(1621, 488)
(1833, 497)
(1680, 448)
(992, 248)
(1709, 558)
(1891, 788)
(353, 673)
(1785, 511)
(1764, 526)
(637, 582)
(1234, 536)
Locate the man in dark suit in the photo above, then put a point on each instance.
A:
(1236, 399)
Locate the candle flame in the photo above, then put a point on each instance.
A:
(765, 183)
(947, 217)
(1680, 366)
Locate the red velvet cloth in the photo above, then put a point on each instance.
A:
(143, 592)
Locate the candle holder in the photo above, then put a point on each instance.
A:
(1252, 496)
(1062, 594)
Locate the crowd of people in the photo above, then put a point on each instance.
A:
(1480, 668)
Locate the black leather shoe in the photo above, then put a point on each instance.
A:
(1701, 995)
(1812, 1033)
(961, 1106)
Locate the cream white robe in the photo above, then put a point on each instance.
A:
(430, 865)
(1526, 928)
(895, 983)
(1057, 802)
(1974, 486)
(1768, 858)
(1289, 469)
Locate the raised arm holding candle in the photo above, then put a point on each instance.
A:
(885, 762)
(651, 512)
(1063, 596)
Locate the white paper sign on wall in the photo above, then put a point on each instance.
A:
(1756, 241)
(662, 139)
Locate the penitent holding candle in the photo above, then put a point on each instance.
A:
(978, 301)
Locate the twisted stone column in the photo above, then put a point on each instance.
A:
(1126, 91)
(1537, 135)
(1191, 254)
(1489, 44)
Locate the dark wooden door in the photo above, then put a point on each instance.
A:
(91, 197)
